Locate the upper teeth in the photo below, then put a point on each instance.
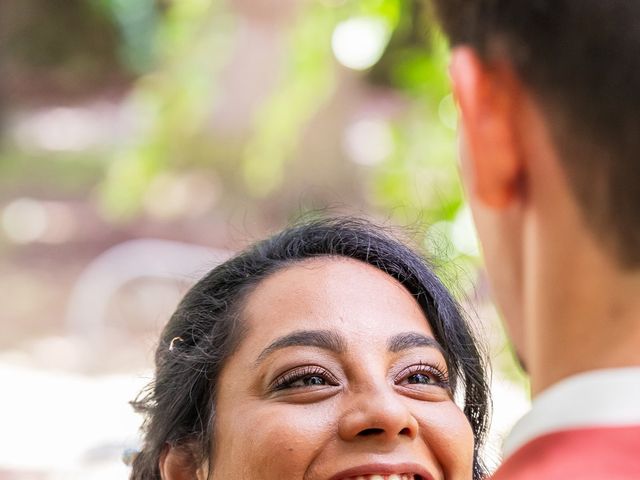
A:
(394, 476)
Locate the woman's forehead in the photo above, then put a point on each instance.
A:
(332, 293)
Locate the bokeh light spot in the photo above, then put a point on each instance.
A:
(24, 220)
(368, 141)
(358, 43)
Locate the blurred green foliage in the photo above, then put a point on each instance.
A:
(173, 100)
(306, 83)
(171, 56)
(175, 52)
(136, 22)
(416, 181)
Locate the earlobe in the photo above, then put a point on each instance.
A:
(486, 97)
(178, 463)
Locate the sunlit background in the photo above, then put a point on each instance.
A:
(143, 141)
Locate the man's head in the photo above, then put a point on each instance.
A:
(549, 92)
(581, 60)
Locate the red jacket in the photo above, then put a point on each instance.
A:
(599, 453)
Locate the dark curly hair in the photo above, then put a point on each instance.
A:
(180, 406)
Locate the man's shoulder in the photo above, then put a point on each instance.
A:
(611, 453)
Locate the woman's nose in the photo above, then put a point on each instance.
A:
(378, 413)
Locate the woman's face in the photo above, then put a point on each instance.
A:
(339, 377)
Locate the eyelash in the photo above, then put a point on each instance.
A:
(437, 371)
(287, 379)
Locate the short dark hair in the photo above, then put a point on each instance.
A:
(179, 406)
(581, 59)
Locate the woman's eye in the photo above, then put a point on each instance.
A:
(423, 374)
(420, 379)
(308, 381)
(306, 377)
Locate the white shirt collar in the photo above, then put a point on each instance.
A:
(592, 399)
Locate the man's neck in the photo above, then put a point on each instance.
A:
(585, 315)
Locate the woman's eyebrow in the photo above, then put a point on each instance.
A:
(404, 341)
(325, 339)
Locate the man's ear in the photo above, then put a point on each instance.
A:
(487, 97)
(180, 463)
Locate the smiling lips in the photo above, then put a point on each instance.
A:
(407, 471)
(394, 476)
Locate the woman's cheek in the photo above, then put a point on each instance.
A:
(458, 443)
(450, 436)
(281, 440)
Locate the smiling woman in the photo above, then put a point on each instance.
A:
(330, 351)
